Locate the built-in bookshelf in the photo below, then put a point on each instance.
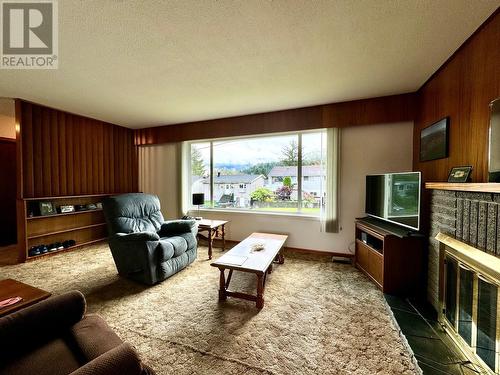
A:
(85, 225)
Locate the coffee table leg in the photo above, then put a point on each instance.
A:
(210, 240)
(280, 258)
(223, 238)
(222, 285)
(260, 291)
(228, 280)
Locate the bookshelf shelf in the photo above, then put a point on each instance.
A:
(84, 227)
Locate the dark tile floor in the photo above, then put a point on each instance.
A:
(436, 353)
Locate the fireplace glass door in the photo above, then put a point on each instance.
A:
(451, 290)
(471, 311)
(465, 299)
(486, 322)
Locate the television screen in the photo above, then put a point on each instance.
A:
(394, 197)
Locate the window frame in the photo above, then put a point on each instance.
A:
(240, 210)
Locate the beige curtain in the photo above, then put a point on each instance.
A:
(185, 168)
(159, 173)
(330, 211)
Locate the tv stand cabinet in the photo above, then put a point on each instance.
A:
(392, 257)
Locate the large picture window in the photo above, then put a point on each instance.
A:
(283, 173)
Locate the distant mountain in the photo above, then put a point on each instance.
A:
(229, 166)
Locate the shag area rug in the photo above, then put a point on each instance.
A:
(319, 317)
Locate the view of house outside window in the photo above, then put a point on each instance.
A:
(262, 173)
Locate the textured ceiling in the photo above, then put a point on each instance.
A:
(146, 63)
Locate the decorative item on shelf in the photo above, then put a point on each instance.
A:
(91, 206)
(198, 200)
(66, 209)
(459, 174)
(99, 205)
(434, 140)
(38, 250)
(68, 243)
(80, 207)
(52, 247)
(47, 208)
(34, 250)
(31, 213)
(56, 246)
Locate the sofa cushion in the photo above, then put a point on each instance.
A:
(190, 239)
(179, 244)
(94, 337)
(165, 250)
(174, 265)
(53, 358)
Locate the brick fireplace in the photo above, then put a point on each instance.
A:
(471, 217)
(464, 269)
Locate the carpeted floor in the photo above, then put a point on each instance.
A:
(319, 317)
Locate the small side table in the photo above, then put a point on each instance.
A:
(12, 288)
(214, 229)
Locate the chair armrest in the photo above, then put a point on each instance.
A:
(173, 227)
(138, 236)
(41, 321)
(121, 360)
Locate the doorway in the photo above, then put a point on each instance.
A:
(8, 222)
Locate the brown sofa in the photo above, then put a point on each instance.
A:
(55, 337)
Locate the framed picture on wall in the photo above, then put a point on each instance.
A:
(434, 140)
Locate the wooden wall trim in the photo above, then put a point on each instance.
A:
(380, 110)
(395, 108)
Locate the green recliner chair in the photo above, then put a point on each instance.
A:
(145, 247)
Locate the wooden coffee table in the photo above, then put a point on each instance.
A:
(11, 288)
(241, 258)
(214, 229)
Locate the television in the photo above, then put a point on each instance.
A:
(394, 197)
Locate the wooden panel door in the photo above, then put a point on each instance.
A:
(8, 231)
(371, 262)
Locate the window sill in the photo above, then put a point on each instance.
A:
(194, 212)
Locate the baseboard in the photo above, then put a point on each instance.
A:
(297, 250)
(319, 252)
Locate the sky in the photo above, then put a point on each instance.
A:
(256, 150)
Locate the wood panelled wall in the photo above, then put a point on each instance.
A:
(65, 154)
(395, 108)
(462, 89)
